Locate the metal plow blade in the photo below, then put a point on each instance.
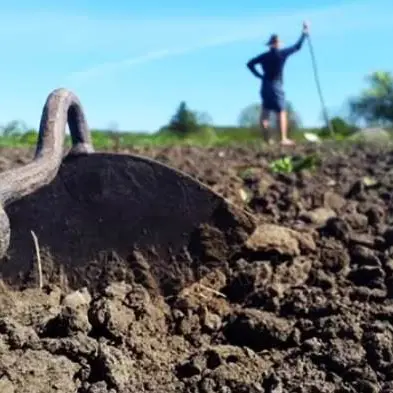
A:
(98, 203)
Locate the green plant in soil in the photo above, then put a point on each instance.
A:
(290, 164)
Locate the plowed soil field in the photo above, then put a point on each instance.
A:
(310, 310)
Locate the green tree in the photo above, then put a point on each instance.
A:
(30, 137)
(14, 127)
(374, 106)
(250, 115)
(340, 127)
(204, 119)
(184, 121)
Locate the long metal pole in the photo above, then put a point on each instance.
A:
(315, 69)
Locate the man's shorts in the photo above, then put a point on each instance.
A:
(273, 96)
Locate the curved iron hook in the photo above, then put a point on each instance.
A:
(62, 107)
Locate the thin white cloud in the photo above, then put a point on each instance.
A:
(332, 21)
(112, 66)
(105, 68)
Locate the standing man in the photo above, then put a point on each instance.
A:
(272, 93)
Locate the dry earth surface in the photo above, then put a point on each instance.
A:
(305, 307)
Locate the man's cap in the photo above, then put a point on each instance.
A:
(273, 39)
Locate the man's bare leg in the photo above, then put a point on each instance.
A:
(265, 126)
(282, 120)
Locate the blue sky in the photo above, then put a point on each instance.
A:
(132, 62)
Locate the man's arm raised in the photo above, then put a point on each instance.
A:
(294, 48)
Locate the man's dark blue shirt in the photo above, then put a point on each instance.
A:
(273, 61)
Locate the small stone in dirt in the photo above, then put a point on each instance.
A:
(312, 344)
(375, 215)
(275, 238)
(67, 323)
(226, 369)
(18, 336)
(320, 279)
(362, 373)
(336, 227)
(5, 163)
(111, 317)
(369, 276)
(287, 178)
(365, 294)
(117, 366)
(356, 191)
(387, 387)
(363, 239)
(76, 347)
(388, 236)
(6, 385)
(273, 384)
(77, 299)
(117, 290)
(211, 321)
(39, 371)
(98, 387)
(334, 256)
(246, 279)
(258, 330)
(333, 201)
(344, 354)
(379, 348)
(264, 183)
(365, 386)
(291, 274)
(389, 268)
(191, 367)
(357, 221)
(364, 256)
(318, 216)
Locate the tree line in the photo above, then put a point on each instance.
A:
(372, 107)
